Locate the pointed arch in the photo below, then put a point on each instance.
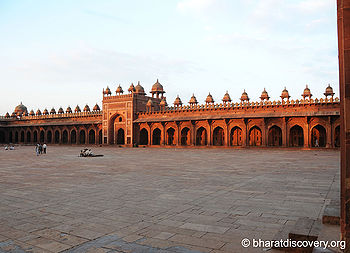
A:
(49, 136)
(120, 136)
(143, 136)
(73, 136)
(236, 136)
(318, 136)
(296, 136)
(201, 137)
(65, 136)
(92, 136)
(156, 136)
(275, 136)
(337, 137)
(170, 136)
(57, 136)
(29, 137)
(185, 136)
(82, 136)
(255, 136)
(218, 136)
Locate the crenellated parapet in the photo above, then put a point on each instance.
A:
(259, 105)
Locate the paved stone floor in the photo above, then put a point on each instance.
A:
(157, 200)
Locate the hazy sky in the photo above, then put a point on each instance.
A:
(60, 53)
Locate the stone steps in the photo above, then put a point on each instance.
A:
(331, 214)
(305, 229)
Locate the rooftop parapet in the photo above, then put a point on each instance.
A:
(55, 116)
(261, 104)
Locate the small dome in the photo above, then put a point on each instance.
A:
(131, 88)
(77, 109)
(119, 90)
(107, 91)
(193, 100)
(226, 98)
(177, 101)
(53, 111)
(163, 103)
(209, 99)
(139, 89)
(20, 109)
(7, 115)
(45, 112)
(244, 96)
(60, 110)
(69, 110)
(96, 108)
(31, 113)
(38, 112)
(307, 92)
(157, 87)
(86, 108)
(285, 94)
(149, 103)
(329, 91)
(264, 95)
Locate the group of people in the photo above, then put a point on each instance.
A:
(10, 147)
(86, 152)
(40, 149)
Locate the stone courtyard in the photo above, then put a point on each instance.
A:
(158, 199)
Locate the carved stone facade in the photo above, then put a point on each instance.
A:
(136, 119)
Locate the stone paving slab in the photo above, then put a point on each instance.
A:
(158, 200)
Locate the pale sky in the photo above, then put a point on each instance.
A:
(63, 52)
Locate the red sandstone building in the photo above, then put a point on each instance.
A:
(136, 119)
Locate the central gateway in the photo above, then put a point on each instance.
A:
(120, 111)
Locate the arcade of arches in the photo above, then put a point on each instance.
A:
(297, 135)
(54, 135)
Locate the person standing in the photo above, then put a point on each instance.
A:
(37, 149)
(44, 148)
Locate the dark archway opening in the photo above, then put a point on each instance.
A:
(16, 137)
(236, 136)
(29, 137)
(255, 136)
(218, 136)
(170, 136)
(82, 137)
(35, 136)
(318, 136)
(42, 136)
(156, 136)
(296, 137)
(185, 136)
(100, 137)
(22, 136)
(201, 137)
(92, 136)
(143, 137)
(337, 137)
(49, 136)
(73, 137)
(10, 137)
(120, 136)
(2, 137)
(275, 136)
(65, 137)
(57, 137)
